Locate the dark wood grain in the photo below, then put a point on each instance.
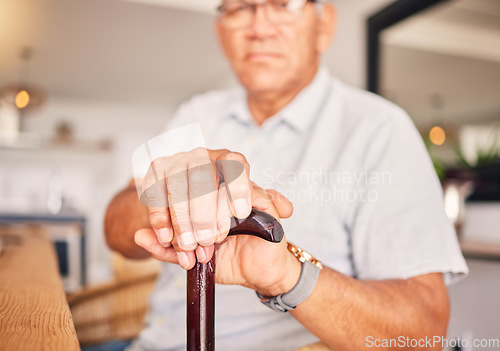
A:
(200, 307)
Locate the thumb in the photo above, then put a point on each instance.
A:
(282, 204)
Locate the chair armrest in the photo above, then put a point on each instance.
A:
(87, 293)
(113, 310)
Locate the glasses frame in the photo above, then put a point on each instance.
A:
(253, 5)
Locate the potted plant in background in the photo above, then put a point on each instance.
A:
(466, 179)
(486, 170)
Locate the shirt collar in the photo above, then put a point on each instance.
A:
(298, 114)
(238, 109)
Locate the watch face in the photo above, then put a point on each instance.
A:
(303, 255)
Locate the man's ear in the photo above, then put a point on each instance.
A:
(327, 25)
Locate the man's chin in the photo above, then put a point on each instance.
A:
(263, 81)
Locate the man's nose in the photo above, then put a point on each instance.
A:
(262, 24)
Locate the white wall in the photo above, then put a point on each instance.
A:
(347, 56)
(90, 177)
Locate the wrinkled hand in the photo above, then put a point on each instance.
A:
(185, 212)
(190, 211)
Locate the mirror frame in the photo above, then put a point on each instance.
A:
(388, 16)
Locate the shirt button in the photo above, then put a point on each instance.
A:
(160, 321)
(179, 283)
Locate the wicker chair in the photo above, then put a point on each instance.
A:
(116, 310)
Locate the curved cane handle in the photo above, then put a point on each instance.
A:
(201, 286)
(259, 224)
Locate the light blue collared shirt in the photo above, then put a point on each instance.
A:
(367, 203)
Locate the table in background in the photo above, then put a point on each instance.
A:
(34, 313)
(67, 231)
(480, 250)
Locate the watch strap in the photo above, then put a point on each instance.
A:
(301, 291)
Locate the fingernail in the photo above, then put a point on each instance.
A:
(187, 240)
(241, 207)
(183, 259)
(205, 236)
(164, 236)
(200, 253)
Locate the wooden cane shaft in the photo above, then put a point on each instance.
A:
(201, 307)
(201, 282)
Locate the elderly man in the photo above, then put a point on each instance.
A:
(366, 203)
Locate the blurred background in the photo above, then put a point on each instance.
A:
(84, 82)
(109, 74)
(440, 61)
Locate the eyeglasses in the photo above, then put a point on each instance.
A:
(239, 13)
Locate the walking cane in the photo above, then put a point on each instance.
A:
(201, 284)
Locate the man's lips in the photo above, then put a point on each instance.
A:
(261, 55)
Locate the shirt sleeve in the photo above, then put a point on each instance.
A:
(401, 230)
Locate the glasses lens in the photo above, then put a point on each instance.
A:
(236, 14)
(239, 14)
(284, 11)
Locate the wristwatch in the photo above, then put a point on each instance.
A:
(304, 287)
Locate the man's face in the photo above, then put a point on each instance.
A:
(271, 57)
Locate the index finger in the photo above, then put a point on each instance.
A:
(153, 194)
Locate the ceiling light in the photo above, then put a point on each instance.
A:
(22, 99)
(23, 94)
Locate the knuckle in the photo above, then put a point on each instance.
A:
(158, 164)
(235, 168)
(175, 170)
(199, 152)
(177, 192)
(179, 214)
(158, 219)
(235, 156)
(238, 189)
(177, 163)
(202, 223)
(180, 220)
(176, 179)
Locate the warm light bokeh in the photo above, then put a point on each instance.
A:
(437, 136)
(22, 99)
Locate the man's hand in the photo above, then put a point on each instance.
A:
(198, 215)
(185, 212)
(268, 268)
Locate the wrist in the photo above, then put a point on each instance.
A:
(291, 298)
(287, 279)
